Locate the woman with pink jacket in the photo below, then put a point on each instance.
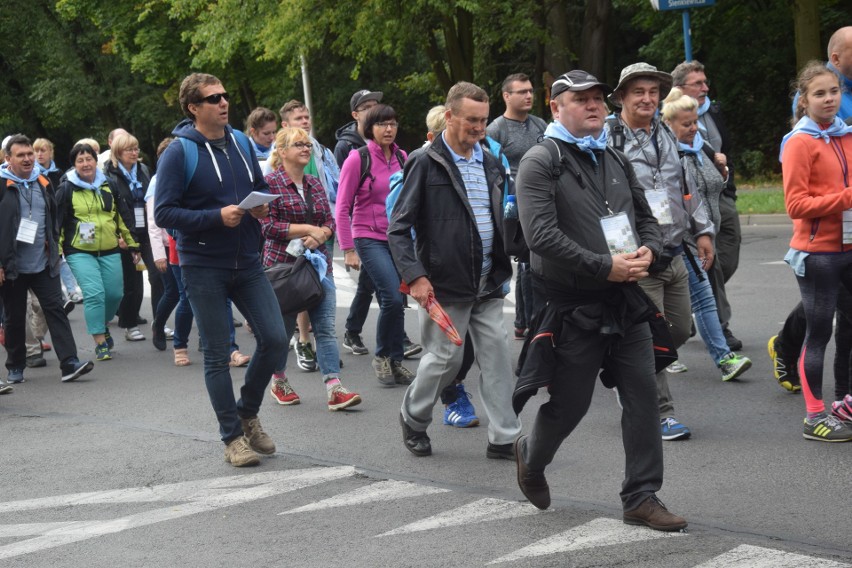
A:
(362, 225)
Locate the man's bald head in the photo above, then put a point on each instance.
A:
(840, 51)
(114, 134)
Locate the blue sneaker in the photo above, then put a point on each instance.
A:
(110, 342)
(461, 413)
(673, 430)
(102, 352)
(16, 376)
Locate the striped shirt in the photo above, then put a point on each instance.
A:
(476, 186)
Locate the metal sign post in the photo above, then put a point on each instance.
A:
(684, 5)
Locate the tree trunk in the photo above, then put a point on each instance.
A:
(806, 27)
(593, 44)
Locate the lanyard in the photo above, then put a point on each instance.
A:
(26, 185)
(840, 153)
(652, 138)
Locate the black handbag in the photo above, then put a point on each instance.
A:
(297, 286)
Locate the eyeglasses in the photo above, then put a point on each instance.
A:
(522, 92)
(302, 145)
(135, 149)
(387, 125)
(214, 99)
(697, 84)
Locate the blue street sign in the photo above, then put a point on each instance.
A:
(680, 4)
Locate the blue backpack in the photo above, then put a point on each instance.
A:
(190, 154)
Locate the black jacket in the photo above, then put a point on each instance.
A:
(434, 202)
(715, 111)
(561, 218)
(348, 139)
(125, 200)
(10, 219)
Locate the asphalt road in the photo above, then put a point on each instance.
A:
(125, 468)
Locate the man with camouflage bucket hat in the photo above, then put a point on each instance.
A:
(653, 152)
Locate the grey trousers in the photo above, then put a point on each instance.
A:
(727, 243)
(483, 320)
(669, 290)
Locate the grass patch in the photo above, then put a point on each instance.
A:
(759, 201)
(760, 196)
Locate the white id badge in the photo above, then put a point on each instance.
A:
(295, 248)
(87, 233)
(847, 227)
(618, 233)
(27, 231)
(139, 212)
(659, 202)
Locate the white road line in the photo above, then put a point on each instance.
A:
(380, 491)
(774, 262)
(747, 556)
(191, 498)
(477, 512)
(596, 533)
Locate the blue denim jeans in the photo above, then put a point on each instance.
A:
(706, 313)
(360, 307)
(67, 277)
(208, 290)
(390, 330)
(183, 311)
(169, 300)
(322, 322)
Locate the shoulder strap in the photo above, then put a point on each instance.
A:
(364, 153)
(616, 133)
(190, 159)
(244, 143)
(400, 158)
(709, 152)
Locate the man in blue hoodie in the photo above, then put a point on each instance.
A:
(201, 180)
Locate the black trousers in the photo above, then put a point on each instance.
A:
(580, 356)
(134, 289)
(792, 336)
(48, 290)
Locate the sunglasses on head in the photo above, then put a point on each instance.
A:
(214, 99)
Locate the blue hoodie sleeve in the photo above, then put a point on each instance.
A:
(170, 211)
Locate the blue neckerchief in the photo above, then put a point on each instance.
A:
(702, 110)
(95, 186)
(262, 152)
(318, 261)
(807, 126)
(587, 144)
(47, 170)
(6, 173)
(695, 148)
(133, 181)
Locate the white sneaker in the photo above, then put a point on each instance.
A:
(677, 367)
(170, 333)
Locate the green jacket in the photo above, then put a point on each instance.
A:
(78, 205)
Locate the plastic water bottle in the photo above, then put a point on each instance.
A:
(511, 210)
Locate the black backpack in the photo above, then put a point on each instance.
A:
(366, 162)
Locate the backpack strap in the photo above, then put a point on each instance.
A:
(190, 159)
(616, 133)
(366, 162)
(709, 152)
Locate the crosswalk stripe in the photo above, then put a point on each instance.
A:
(380, 491)
(595, 533)
(481, 511)
(187, 498)
(747, 556)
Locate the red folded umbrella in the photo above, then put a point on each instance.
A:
(438, 315)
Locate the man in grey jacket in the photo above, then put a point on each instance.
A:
(652, 150)
(591, 236)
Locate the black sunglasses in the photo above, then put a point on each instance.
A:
(214, 99)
